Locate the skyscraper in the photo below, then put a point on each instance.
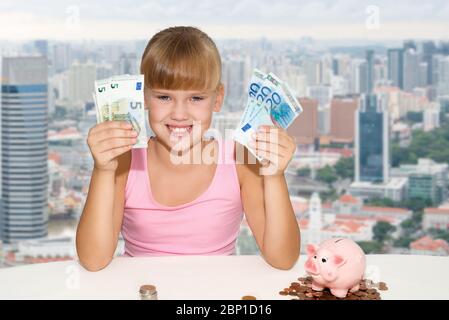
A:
(236, 73)
(305, 128)
(369, 71)
(427, 51)
(24, 153)
(81, 79)
(357, 80)
(396, 67)
(342, 119)
(411, 70)
(441, 75)
(371, 141)
(41, 47)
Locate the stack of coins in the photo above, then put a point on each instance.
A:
(148, 292)
(302, 290)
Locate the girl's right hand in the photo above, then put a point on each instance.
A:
(108, 140)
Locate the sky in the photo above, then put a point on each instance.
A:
(291, 19)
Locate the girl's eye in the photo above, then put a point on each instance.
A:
(197, 98)
(314, 257)
(163, 98)
(323, 260)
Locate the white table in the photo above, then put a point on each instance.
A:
(211, 278)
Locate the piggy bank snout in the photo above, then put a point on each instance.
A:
(311, 266)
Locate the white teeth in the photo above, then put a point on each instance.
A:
(179, 129)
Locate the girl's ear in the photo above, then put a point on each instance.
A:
(219, 98)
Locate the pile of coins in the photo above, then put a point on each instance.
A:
(302, 290)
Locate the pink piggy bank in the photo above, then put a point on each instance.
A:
(337, 264)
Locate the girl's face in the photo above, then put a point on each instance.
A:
(179, 118)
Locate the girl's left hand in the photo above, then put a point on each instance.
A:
(276, 146)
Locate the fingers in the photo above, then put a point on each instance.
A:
(272, 134)
(112, 134)
(110, 129)
(113, 153)
(264, 146)
(111, 125)
(109, 144)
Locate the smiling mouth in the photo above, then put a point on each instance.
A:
(179, 130)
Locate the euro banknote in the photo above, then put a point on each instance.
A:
(274, 104)
(120, 98)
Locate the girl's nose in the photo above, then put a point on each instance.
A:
(179, 111)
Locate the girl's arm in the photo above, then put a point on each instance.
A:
(100, 223)
(267, 204)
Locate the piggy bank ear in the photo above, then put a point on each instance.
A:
(311, 249)
(338, 260)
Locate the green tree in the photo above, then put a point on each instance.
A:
(303, 172)
(416, 204)
(403, 242)
(371, 247)
(433, 145)
(327, 174)
(382, 231)
(344, 168)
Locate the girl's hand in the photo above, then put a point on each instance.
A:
(108, 140)
(276, 146)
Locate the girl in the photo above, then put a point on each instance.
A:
(164, 206)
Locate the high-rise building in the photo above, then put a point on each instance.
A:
(423, 79)
(427, 179)
(313, 70)
(235, 78)
(305, 128)
(427, 51)
(127, 64)
(81, 78)
(411, 70)
(62, 57)
(24, 153)
(372, 141)
(358, 77)
(441, 75)
(342, 119)
(41, 47)
(369, 71)
(396, 67)
(431, 119)
(323, 94)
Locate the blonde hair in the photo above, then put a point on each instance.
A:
(181, 58)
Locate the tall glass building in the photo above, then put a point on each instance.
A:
(396, 67)
(24, 150)
(371, 141)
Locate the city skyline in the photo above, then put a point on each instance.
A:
(329, 83)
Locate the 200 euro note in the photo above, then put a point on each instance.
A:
(126, 103)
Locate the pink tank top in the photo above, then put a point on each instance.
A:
(208, 225)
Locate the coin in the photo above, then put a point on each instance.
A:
(249, 298)
(303, 290)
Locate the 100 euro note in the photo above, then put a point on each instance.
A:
(275, 104)
(126, 103)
